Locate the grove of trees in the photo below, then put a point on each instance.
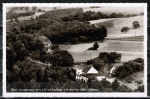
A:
(111, 57)
(129, 68)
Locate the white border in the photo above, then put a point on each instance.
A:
(99, 94)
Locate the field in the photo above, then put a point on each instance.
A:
(109, 10)
(29, 17)
(115, 25)
(128, 49)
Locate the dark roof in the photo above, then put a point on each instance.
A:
(81, 66)
(109, 68)
(87, 68)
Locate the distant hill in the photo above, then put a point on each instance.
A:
(122, 10)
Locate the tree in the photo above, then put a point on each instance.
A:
(32, 19)
(34, 8)
(115, 84)
(61, 58)
(16, 19)
(140, 88)
(96, 46)
(26, 8)
(21, 8)
(136, 24)
(142, 13)
(125, 29)
(37, 18)
(39, 10)
(129, 79)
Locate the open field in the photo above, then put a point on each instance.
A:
(135, 38)
(128, 50)
(29, 17)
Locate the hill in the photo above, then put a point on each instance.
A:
(123, 10)
(114, 26)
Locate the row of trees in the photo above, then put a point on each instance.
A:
(129, 68)
(60, 13)
(91, 15)
(13, 15)
(23, 8)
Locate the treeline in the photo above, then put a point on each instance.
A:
(129, 68)
(59, 32)
(60, 13)
(12, 15)
(91, 15)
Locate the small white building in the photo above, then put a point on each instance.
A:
(90, 70)
(110, 71)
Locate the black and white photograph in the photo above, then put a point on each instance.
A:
(75, 49)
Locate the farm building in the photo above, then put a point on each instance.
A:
(101, 77)
(84, 72)
(110, 71)
(86, 69)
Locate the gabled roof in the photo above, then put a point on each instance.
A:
(109, 68)
(81, 66)
(87, 68)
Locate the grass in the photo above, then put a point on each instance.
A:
(114, 26)
(135, 38)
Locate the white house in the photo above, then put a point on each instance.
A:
(91, 70)
(86, 69)
(100, 77)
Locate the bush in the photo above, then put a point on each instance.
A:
(61, 58)
(95, 46)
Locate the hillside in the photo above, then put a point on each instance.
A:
(109, 10)
(114, 26)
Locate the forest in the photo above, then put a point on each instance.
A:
(59, 32)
